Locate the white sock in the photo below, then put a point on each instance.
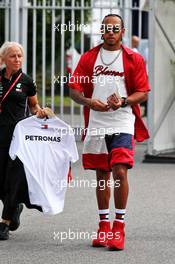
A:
(120, 215)
(104, 215)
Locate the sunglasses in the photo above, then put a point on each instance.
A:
(109, 28)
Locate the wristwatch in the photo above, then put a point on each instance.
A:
(125, 102)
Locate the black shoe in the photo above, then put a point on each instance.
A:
(4, 231)
(15, 221)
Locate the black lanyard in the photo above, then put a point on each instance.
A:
(9, 90)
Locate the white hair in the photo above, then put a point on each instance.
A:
(4, 49)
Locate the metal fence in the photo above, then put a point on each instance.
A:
(44, 30)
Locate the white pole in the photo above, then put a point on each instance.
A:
(140, 23)
(34, 44)
(7, 20)
(23, 31)
(44, 54)
(151, 62)
(14, 18)
(73, 56)
(62, 61)
(53, 58)
(82, 51)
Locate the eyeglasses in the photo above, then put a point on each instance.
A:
(110, 28)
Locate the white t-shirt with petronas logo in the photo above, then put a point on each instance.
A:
(46, 149)
(106, 81)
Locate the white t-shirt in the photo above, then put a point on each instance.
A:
(108, 80)
(46, 148)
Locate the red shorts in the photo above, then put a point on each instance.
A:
(119, 150)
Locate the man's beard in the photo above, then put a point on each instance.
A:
(112, 43)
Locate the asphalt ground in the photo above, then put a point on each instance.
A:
(66, 237)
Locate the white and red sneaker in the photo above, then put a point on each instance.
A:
(102, 235)
(118, 240)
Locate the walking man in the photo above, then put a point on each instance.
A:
(110, 81)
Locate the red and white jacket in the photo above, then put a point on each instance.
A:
(136, 80)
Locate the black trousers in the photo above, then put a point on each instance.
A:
(4, 161)
(3, 170)
(16, 189)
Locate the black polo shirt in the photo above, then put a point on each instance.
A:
(15, 105)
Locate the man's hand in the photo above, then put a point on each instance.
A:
(97, 105)
(114, 102)
(41, 113)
